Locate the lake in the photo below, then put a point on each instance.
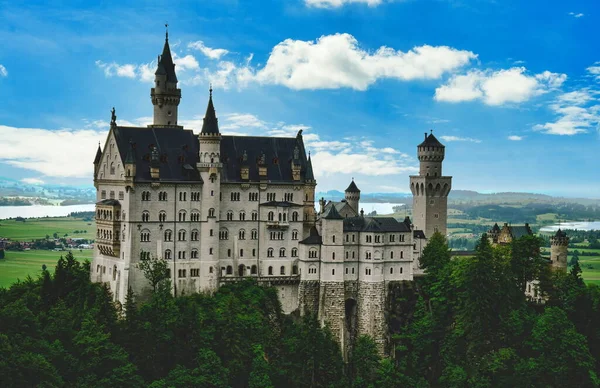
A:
(583, 225)
(42, 211)
(62, 211)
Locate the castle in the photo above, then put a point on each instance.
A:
(223, 208)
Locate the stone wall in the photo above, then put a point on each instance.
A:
(308, 296)
(371, 312)
(332, 312)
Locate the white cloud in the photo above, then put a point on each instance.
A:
(32, 181)
(339, 3)
(337, 61)
(594, 70)
(515, 138)
(3, 71)
(576, 112)
(576, 15)
(59, 153)
(498, 87)
(188, 62)
(114, 69)
(212, 53)
(458, 138)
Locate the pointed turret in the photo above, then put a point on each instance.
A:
(332, 214)
(210, 126)
(310, 176)
(97, 161)
(98, 155)
(352, 196)
(165, 94)
(130, 165)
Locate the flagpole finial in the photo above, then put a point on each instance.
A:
(210, 89)
(167, 31)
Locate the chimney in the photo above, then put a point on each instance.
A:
(425, 135)
(362, 213)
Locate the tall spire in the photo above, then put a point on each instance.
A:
(211, 123)
(309, 169)
(98, 155)
(165, 95)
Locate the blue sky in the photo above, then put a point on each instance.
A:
(510, 87)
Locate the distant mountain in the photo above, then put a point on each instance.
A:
(14, 188)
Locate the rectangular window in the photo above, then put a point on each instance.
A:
(181, 273)
(194, 272)
(112, 194)
(103, 194)
(121, 195)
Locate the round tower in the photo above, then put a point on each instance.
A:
(559, 245)
(430, 188)
(165, 95)
(352, 196)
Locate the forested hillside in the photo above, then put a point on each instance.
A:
(467, 324)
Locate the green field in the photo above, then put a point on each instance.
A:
(19, 264)
(38, 228)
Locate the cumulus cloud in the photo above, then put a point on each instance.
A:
(337, 61)
(114, 69)
(212, 53)
(59, 153)
(576, 15)
(458, 138)
(576, 112)
(339, 3)
(498, 87)
(594, 70)
(3, 71)
(32, 181)
(515, 138)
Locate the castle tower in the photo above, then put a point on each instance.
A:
(331, 309)
(309, 196)
(210, 166)
(165, 95)
(352, 196)
(559, 245)
(430, 188)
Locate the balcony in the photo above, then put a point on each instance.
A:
(278, 224)
(263, 280)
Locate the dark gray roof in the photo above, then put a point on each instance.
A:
(110, 202)
(313, 238)
(519, 231)
(560, 233)
(495, 228)
(130, 158)
(309, 170)
(374, 224)
(177, 151)
(352, 188)
(165, 63)
(278, 153)
(431, 141)
(210, 124)
(280, 204)
(331, 214)
(98, 155)
(419, 234)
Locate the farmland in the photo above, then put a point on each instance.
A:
(39, 228)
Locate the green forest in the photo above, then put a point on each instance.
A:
(467, 323)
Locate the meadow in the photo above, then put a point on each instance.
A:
(19, 264)
(38, 228)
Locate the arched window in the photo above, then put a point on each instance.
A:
(254, 216)
(282, 270)
(295, 216)
(279, 217)
(211, 212)
(229, 270)
(168, 254)
(294, 252)
(182, 216)
(162, 216)
(253, 270)
(145, 235)
(391, 254)
(242, 215)
(114, 272)
(271, 216)
(270, 252)
(194, 253)
(168, 235)
(194, 235)
(195, 216)
(333, 239)
(145, 216)
(229, 215)
(242, 234)
(281, 252)
(181, 235)
(294, 270)
(270, 270)
(254, 234)
(223, 234)
(294, 235)
(241, 270)
(391, 270)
